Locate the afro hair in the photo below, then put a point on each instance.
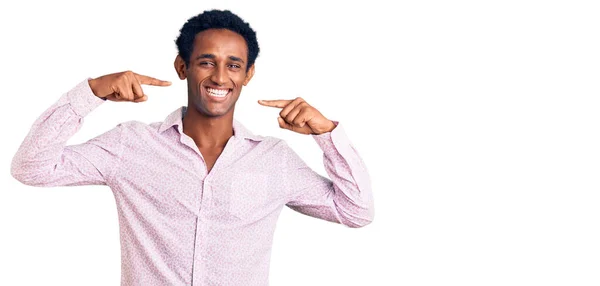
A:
(215, 19)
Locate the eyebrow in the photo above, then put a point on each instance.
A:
(211, 56)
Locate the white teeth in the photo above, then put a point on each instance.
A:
(217, 92)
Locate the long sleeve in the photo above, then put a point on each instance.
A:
(43, 159)
(346, 196)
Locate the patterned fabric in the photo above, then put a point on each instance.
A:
(179, 224)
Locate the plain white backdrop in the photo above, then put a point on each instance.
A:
(479, 122)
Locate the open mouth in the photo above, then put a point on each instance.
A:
(218, 93)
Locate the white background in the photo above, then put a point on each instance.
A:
(479, 122)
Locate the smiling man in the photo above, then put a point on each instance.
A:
(198, 195)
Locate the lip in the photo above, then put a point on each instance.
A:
(216, 98)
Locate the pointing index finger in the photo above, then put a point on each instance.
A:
(152, 81)
(281, 103)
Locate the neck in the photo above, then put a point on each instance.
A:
(207, 132)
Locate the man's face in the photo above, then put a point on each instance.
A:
(217, 71)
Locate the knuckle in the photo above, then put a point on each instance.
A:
(128, 75)
(122, 78)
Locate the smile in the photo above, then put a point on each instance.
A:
(218, 93)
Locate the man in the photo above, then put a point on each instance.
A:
(198, 195)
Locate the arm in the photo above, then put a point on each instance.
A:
(43, 159)
(346, 197)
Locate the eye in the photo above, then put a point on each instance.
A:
(206, 64)
(235, 66)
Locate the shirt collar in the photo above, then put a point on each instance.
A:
(176, 119)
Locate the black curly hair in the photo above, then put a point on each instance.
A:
(215, 19)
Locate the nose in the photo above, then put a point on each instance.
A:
(219, 75)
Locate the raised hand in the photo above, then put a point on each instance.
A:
(297, 115)
(124, 86)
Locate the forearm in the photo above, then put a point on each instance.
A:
(352, 196)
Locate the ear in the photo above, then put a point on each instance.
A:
(249, 75)
(180, 67)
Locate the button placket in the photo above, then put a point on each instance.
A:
(205, 199)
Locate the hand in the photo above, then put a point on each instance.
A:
(300, 117)
(123, 86)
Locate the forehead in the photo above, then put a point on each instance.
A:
(220, 42)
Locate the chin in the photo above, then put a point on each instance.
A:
(209, 112)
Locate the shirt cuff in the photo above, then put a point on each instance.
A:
(336, 140)
(82, 99)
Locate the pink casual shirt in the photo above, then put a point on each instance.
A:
(182, 225)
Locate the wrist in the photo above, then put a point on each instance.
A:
(92, 82)
(329, 128)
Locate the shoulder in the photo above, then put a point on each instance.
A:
(137, 128)
(282, 150)
(271, 148)
(274, 143)
(136, 125)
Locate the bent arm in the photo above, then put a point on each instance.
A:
(43, 159)
(345, 197)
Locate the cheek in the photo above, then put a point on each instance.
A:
(239, 79)
(197, 74)
(198, 81)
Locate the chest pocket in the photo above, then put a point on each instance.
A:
(242, 195)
